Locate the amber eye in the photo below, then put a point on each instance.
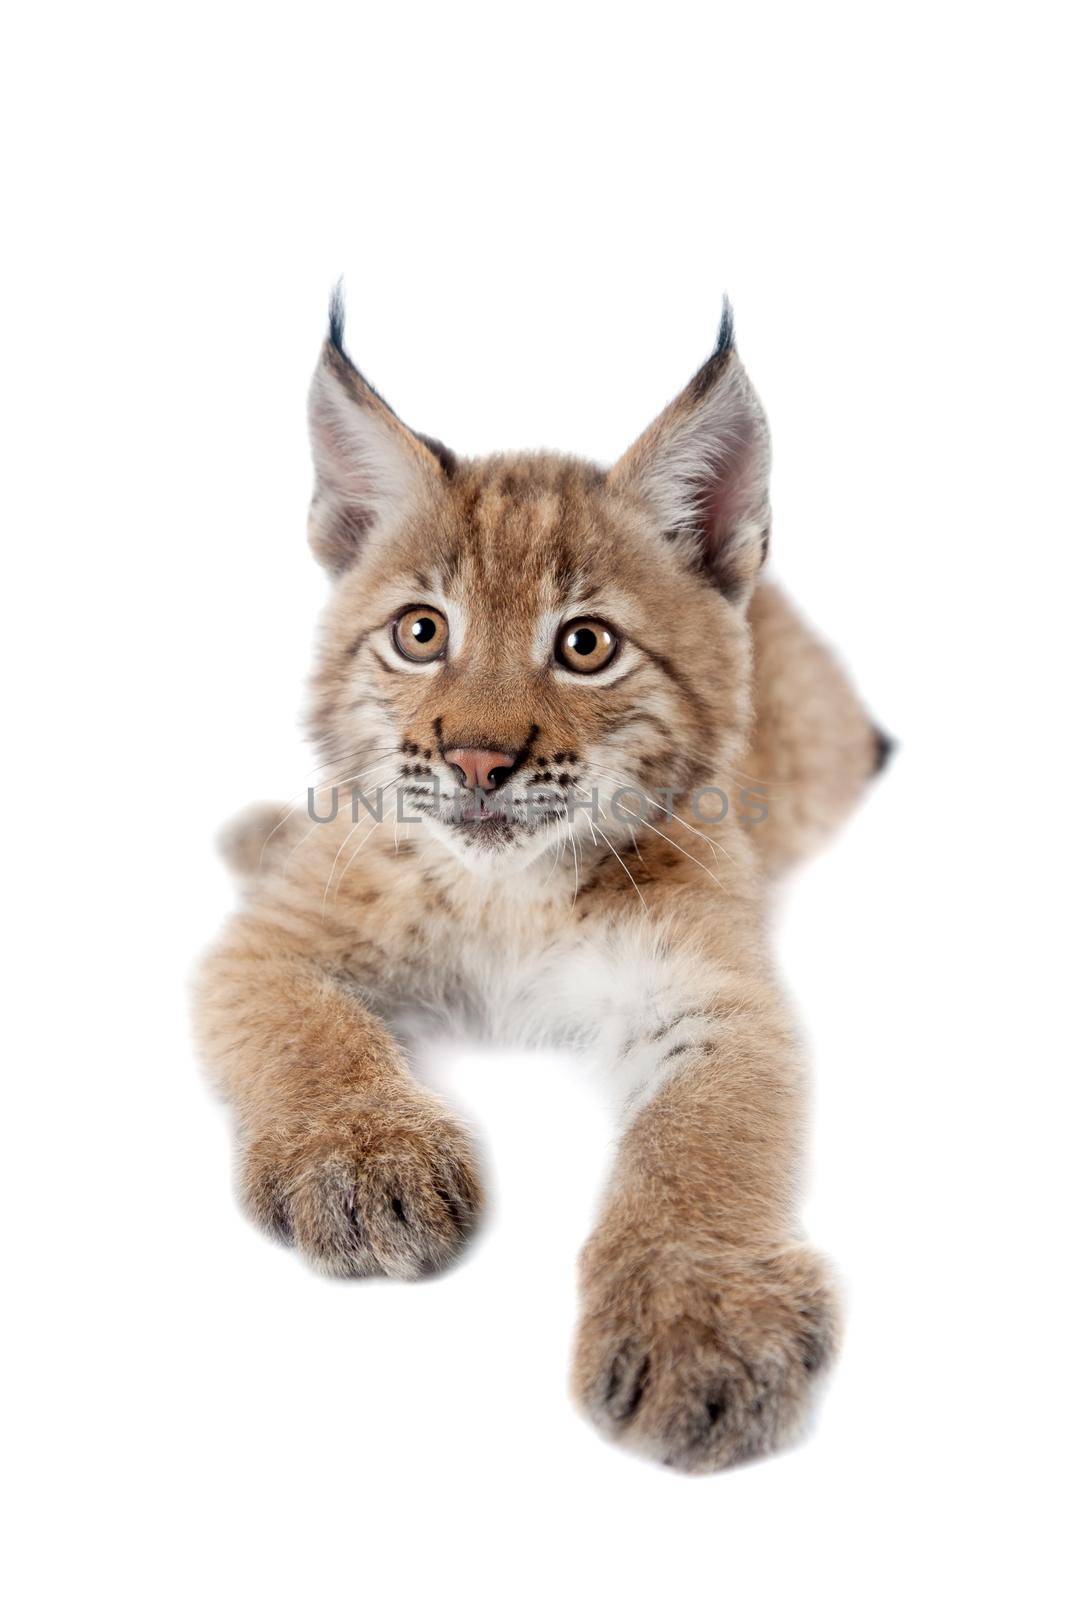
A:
(586, 645)
(421, 634)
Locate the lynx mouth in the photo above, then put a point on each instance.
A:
(479, 817)
(482, 821)
(490, 829)
(478, 812)
(489, 823)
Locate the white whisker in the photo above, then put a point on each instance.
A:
(333, 784)
(594, 831)
(712, 844)
(359, 847)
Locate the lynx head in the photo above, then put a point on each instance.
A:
(507, 633)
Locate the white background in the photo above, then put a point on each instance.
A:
(536, 210)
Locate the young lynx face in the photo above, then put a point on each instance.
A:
(508, 634)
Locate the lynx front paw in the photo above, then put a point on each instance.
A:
(702, 1365)
(386, 1188)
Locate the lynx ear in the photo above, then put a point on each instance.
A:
(702, 468)
(368, 465)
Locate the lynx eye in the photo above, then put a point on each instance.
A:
(586, 645)
(420, 634)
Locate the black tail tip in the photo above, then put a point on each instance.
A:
(884, 748)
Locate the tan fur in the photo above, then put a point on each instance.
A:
(642, 941)
(813, 746)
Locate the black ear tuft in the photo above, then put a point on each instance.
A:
(368, 465)
(725, 342)
(337, 318)
(710, 372)
(360, 387)
(702, 469)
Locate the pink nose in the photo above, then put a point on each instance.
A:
(481, 769)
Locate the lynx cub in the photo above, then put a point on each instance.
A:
(546, 672)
